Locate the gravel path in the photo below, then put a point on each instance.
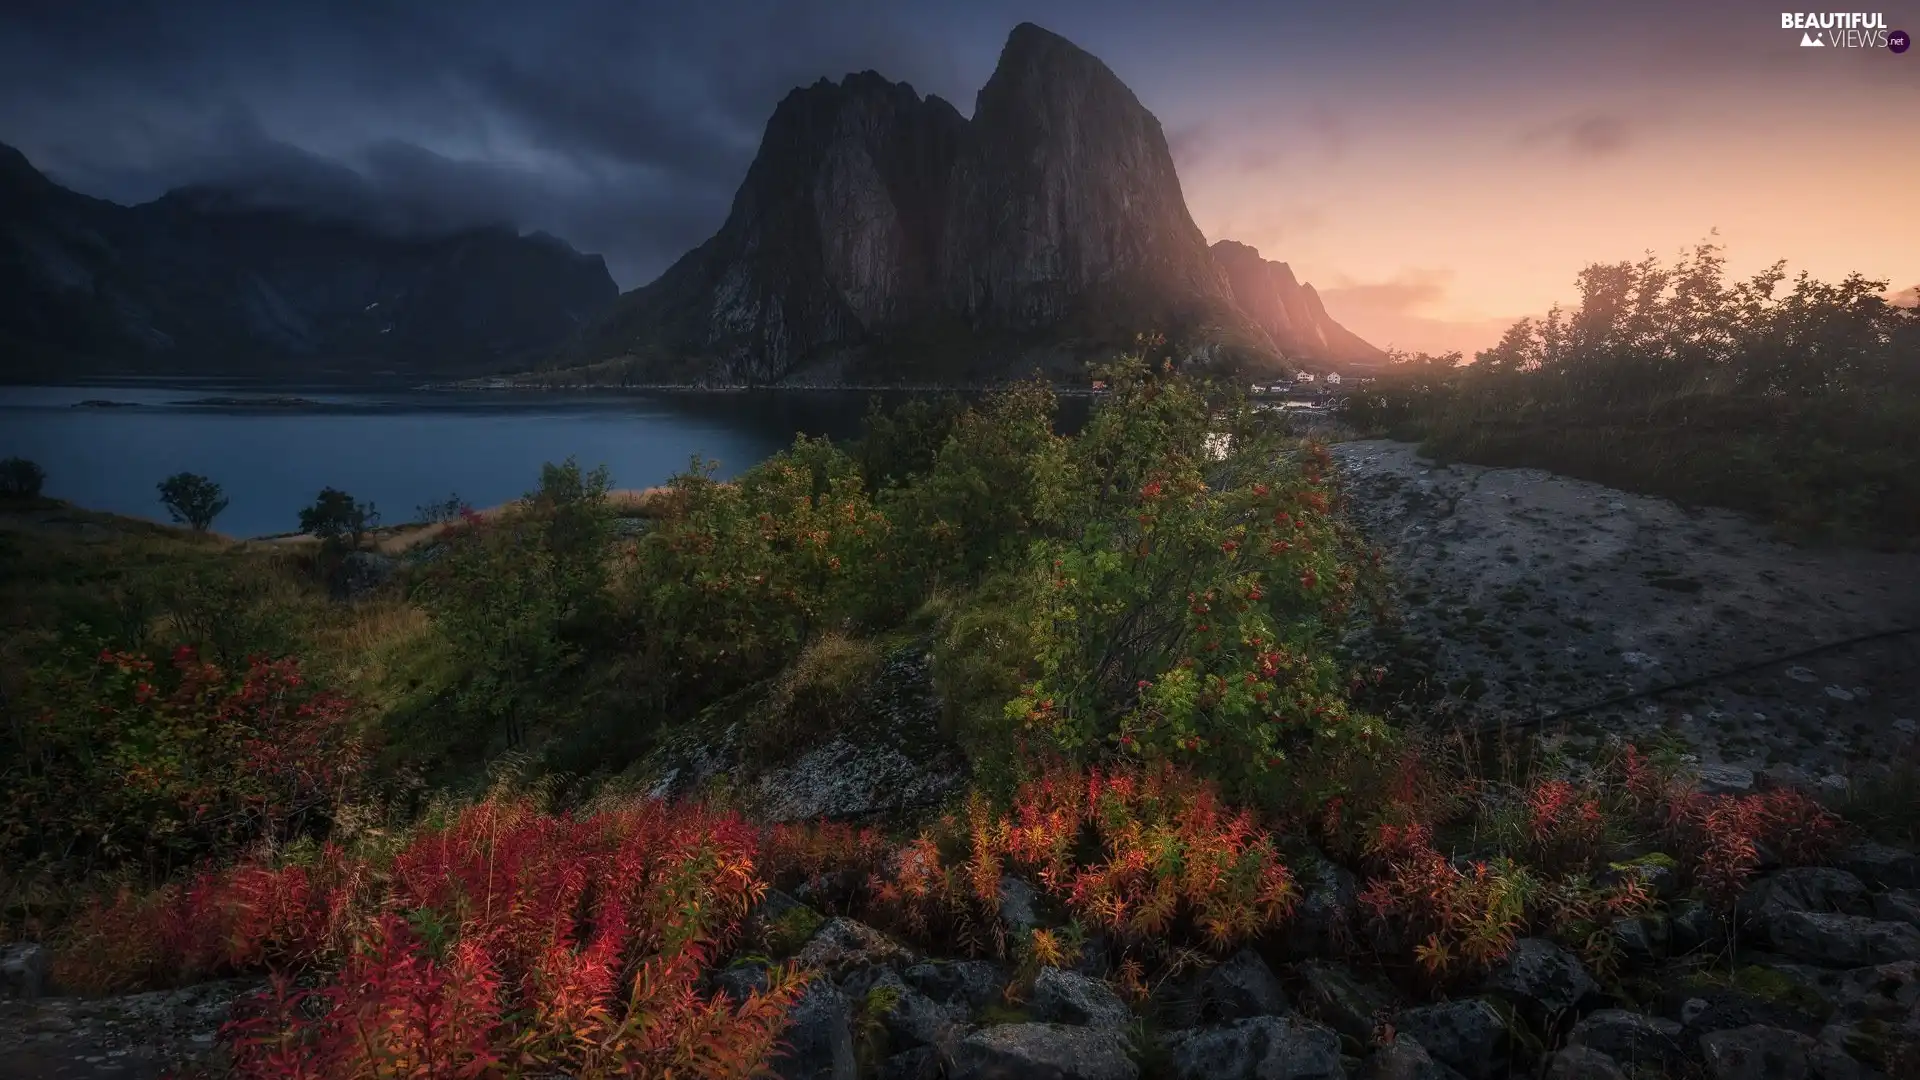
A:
(1535, 591)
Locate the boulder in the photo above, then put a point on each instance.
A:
(361, 574)
(1803, 888)
(968, 984)
(24, 971)
(1068, 997)
(1403, 1059)
(1468, 1035)
(1336, 997)
(1582, 1063)
(1019, 905)
(842, 945)
(819, 1038)
(1241, 987)
(740, 980)
(1757, 1053)
(1322, 921)
(1880, 865)
(1257, 1048)
(1835, 940)
(1629, 1038)
(1691, 926)
(1898, 905)
(910, 1017)
(919, 1063)
(1042, 1052)
(1540, 973)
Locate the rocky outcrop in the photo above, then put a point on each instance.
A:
(213, 281)
(881, 235)
(1287, 310)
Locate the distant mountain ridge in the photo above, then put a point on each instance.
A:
(201, 281)
(882, 237)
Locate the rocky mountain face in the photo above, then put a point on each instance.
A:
(1289, 312)
(880, 236)
(202, 281)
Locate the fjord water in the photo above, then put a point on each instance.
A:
(399, 448)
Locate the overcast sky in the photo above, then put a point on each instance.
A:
(1435, 169)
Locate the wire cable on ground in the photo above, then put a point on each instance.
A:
(1655, 691)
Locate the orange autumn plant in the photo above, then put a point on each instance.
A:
(503, 941)
(1141, 852)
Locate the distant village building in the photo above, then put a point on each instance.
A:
(1304, 377)
(1333, 378)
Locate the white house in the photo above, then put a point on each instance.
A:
(1304, 377)
(1333, 378)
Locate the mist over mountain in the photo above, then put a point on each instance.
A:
(297, 274)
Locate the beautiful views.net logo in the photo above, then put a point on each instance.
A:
(1844, 30)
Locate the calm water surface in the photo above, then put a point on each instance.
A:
(399, 448)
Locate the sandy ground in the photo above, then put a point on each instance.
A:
(1536, 591)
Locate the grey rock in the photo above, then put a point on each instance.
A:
(141, 1036)
(1322, 922)
(1881, 865)
(1630, 1038)
(1067, 997)
(1019, 911)
(361, 574)
(1725, 780)
(1836, 940)
(1240, 987)
(1350, 1005)
(737, 981)
(1886, 992)
(1640, 939)
(1898, 905)
(1257, 1048)
(919, 1063)
(1582, 1063)
(842, 945)
(970, 984)
(1542, 973)
(1403, 1059)
(1846, 1052)
(819, 1037)
(1692, 926)
(1042, 1052)
(1804, 888)
(1467, 1035)
(25, 970)
(1757, 1053)
(913, 1018)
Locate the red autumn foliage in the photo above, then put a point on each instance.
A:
(1170, 857)
(162, 765)
(503, 941)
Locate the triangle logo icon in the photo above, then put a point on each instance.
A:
(1809, 41)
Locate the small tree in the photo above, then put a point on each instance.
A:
(193, 500)
(337, 519)
(21, 479)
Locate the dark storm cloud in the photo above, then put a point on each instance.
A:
(622, 126)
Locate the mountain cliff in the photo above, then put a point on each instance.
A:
(880, 236)
(205, 281)
(1289, 312)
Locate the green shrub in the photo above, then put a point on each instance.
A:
(192, 500)
(337, 519)
(21, 479)
(1188, 597)
(516, 596)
